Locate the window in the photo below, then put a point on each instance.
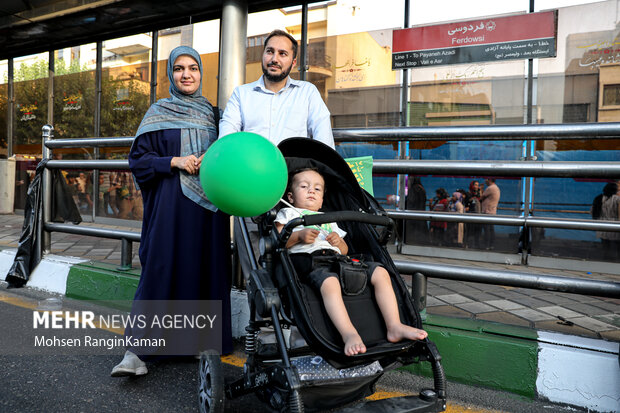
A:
(74, 92)
(254, 51)
(611, 95)
(125, 84)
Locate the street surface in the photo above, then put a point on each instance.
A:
(35, 380)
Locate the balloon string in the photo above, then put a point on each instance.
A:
(291, 206)
(301, 214)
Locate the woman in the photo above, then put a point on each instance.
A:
(438, 228)
(416, 231)
(458, 229)
(610, 211)
(473, 206)
(185, 243)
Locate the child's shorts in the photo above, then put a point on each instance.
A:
(315, 268)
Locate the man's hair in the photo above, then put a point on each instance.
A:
(610, 189)
(279, 32)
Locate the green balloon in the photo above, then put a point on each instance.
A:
(243, 174)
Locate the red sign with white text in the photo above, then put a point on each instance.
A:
(522, 36)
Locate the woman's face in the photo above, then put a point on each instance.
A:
(476, 185)
(186, 74)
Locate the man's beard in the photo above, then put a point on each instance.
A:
(276, 78)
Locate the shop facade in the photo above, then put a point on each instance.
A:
(102, 89)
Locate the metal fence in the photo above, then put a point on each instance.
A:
(526, 168)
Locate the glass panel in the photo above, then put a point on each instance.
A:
(349, 62)
(126, 97)
(30, 114)
(74, 92)
(422, 13)
(125, 84)
(31, 84)
(467, 94)
(581, 84)
(74, 108)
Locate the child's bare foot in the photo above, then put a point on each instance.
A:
(400, 331)
(353, 344)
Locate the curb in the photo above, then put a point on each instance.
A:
(534, 364)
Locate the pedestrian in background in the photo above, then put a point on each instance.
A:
(490, 200)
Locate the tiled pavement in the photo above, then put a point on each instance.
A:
(588, 316)
(92, 248)
(596, 317)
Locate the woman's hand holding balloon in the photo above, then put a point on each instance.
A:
(189, 164)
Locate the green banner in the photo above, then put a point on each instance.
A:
(362, 169)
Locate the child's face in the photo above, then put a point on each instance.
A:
(307, 190)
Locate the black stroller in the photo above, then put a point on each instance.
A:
(313, 373)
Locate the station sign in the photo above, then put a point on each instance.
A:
(524, 36)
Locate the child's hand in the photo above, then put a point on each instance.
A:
(308, 235)
(336, 240)
(333, 238)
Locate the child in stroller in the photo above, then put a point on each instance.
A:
(310, 249)
(317, 374)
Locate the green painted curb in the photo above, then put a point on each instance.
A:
(482, 353)
(474, 352)
(100, 281)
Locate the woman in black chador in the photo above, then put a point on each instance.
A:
(416, 232)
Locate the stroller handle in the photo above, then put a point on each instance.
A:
(341, 216)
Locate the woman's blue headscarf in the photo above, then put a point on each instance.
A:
(193, 114)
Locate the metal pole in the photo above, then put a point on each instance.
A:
(126, 253)
(402, 153)
(93, 231)
(46, 236)
(512, 278)
(528, 150)
(50, 88)
(564, 223)
(97, 126)
(10, 109)
(154, 53)
(98, 90)
(303, 65)
(404, 96)
(499, 168)
(91, 142)
(95, 188)
(86, 164)
(558, 131)
(233, 34)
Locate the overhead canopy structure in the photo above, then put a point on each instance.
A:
(35, 26)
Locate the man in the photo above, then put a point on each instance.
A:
(276, 106)
(490, 200)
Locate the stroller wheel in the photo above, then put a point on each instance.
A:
(211, 383)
